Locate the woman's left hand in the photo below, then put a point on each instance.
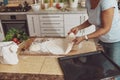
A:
(77, 40)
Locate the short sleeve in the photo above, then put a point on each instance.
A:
(106, 4)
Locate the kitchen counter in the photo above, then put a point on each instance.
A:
(78, 10)
(34, 67)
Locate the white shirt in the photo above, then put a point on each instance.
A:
(95, 18)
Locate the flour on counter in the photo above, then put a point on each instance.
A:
(53, 45)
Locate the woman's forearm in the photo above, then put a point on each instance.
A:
(84, 25)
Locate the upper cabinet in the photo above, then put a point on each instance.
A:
(33, 25)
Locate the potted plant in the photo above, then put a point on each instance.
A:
(61, 2)
(73, 3)
(46, 4)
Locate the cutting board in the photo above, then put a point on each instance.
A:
(12, 5)
(87, 46)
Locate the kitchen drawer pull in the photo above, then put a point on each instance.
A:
(51, 17)
(51, 23)
(0, 30)
(53, 35)
(52, 30)
(84, 18)
(80, 19)
(33, 25)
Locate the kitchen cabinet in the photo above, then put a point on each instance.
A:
(33, 25)
(1, 32)
(72, 20)
(52, 25)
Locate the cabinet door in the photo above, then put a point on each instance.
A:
(89, 29)
(33, 25)
(1, 32)
(51, 17)
(71, 20)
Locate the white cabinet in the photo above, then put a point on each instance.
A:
(56, 24)
(72, 20)
(1, 32)
(52, 25)
(33, 25)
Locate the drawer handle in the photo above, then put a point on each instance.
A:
(51, 23)
(52, 30)
(0, 30)
(33, 25)
(51, 17)
(80, 19)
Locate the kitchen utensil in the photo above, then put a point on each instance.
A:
(36, 7)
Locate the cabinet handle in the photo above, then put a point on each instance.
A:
(0, 30)
(80, 19)
(51, 23)
(84, 18)
(33, 25)
(51, 29)
(50, 16)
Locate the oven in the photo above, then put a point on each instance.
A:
(17, 21)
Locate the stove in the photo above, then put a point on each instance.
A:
(89, 66)
(23, 7)
(15, 9)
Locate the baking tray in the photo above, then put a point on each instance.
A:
(88, 66)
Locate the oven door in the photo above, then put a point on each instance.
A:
(1, 32)
(89, 66)
(17, 24)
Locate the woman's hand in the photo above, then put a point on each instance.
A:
(77, 40)
(74, 30)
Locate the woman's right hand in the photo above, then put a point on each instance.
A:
(74, 30)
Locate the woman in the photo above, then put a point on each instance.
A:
(104, 14)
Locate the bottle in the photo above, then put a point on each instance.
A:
(51, 3)
(118, 4)
(5, 2)
(82, 3)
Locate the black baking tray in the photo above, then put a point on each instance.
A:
(88, 66)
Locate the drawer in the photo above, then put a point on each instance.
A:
(51, 17)
(52, 30)
(53, 35)
(51, 24)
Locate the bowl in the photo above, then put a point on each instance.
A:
(82, 4)
(36, 7)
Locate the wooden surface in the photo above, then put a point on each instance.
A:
(12, 5)
(86, 46)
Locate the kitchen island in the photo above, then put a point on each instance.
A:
(40, 67)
